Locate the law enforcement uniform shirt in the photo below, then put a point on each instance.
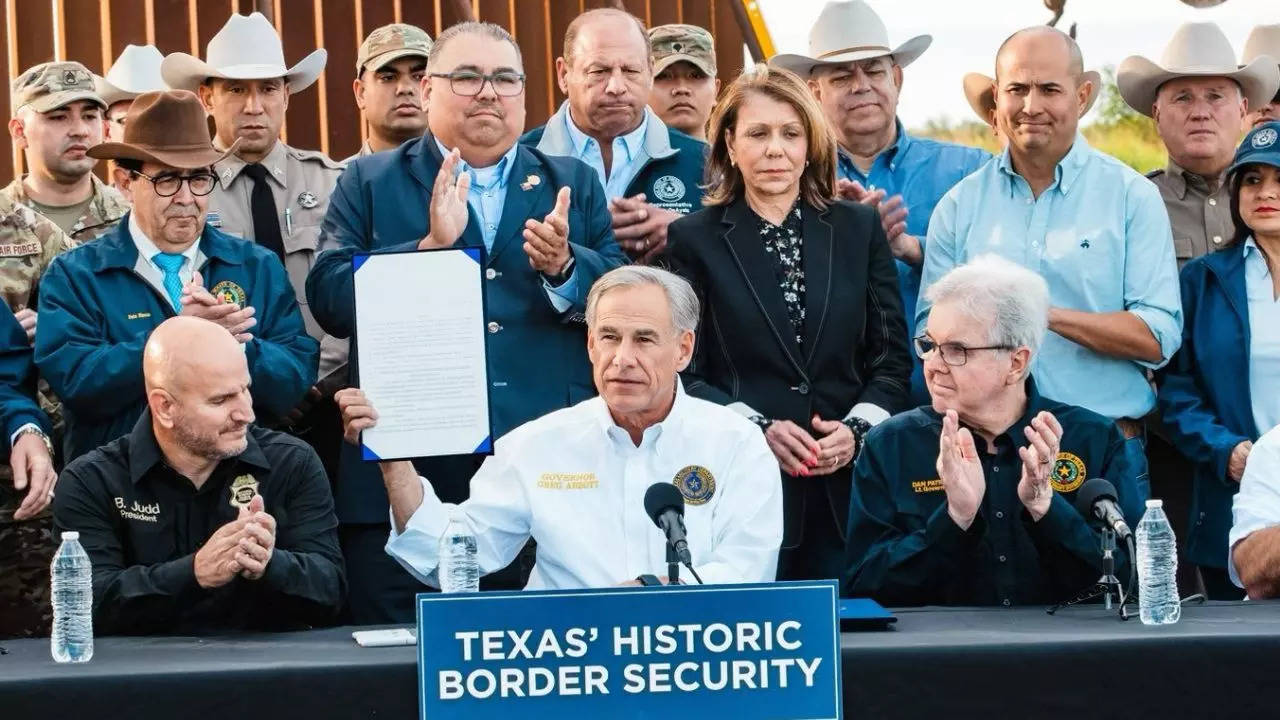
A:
(105, 208)
(575, 482)
(904, 548)
(142, 523)
(301, 182)
(1200, 214)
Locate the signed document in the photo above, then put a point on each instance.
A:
(420, 339)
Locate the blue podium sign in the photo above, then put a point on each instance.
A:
(735, 651)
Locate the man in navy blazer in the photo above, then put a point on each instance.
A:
(546, 229)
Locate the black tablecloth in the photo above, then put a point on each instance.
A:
(1221, 660)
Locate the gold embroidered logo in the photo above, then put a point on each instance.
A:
(696, 484)
(229, 292)
(568, 481)
(925, 486)
(1068, 472)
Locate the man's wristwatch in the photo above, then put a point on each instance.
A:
(860, 428)
(561, 277)
(48, 444)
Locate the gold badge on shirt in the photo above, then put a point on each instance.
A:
(243, 489)
(696, 484)
(1068, 472)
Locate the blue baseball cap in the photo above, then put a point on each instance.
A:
(1260, 147)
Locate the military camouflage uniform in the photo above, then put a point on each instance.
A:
(28, 243)
(104, 211)
(386, 45)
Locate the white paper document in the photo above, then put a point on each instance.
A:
(420, 339)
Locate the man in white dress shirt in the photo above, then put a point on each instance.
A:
(575, 480)
(1255, 531)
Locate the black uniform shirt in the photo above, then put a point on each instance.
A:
(904, 548)
(142, 523)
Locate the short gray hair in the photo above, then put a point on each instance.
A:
(680, 295)
(1014, 300)
(470, 27)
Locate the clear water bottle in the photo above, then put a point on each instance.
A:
(72, 583)
(459, 570)
(1157, 568)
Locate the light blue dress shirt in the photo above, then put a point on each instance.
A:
(487, 197)
(629, 156)
(1099, 236)
(1264, 339)
(921, 170)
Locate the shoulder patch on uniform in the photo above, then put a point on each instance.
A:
(696, 484)
(1068, 472)
(229, 292)
(317, 156)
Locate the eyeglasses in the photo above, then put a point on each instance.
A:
(953, 354)
(168, 185)
(466, 83)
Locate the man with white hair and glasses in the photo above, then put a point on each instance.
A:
(576, 480)
(969, 501)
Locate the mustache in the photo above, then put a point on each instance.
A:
(486, 107)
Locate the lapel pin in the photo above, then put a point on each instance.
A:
(530, 182)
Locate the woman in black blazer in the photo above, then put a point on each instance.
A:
(801, 328)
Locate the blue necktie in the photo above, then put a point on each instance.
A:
(170, 263)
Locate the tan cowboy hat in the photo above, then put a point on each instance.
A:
(246, 48)
(1262, 40)
(136, 71)
(166, 127)
(848, 31)
(979, 90)
(1196, 50)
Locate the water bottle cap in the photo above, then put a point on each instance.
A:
(1155, 503)
(70, 535)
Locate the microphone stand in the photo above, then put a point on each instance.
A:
(1106, 585)
(673, 565)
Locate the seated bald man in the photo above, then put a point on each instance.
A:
(199, 522)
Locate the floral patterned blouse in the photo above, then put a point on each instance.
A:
(784, 245)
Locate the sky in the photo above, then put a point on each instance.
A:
(966, 34)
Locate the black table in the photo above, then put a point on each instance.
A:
(1221, 660)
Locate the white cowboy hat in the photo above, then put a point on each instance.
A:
(979, 90)
(1262, 40)
(246, 48)
(136, 71)
(848, 31)
(1196, 50)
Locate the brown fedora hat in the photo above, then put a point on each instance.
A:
(169, 127)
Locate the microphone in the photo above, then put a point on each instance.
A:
(1097, 498)
(665, 507)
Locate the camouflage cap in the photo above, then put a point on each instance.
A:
(673, 43)
(51, 85)
(392, 42)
